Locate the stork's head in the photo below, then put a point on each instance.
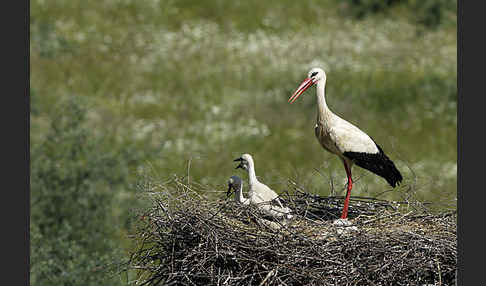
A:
(315, 75)
(234, 183)
(245, 161)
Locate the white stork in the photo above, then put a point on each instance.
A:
(236, 184)
(259, 193)
(347, 141)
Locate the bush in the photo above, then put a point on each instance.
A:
(432, 13)
(362, 8)
(429, 14)
(73, 175)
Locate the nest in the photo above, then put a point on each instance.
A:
(187, 239)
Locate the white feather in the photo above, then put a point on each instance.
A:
(349, 138)
(261, 195)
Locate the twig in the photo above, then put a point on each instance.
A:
(272, 272)
(385, 216)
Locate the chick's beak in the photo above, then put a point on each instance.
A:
(241, 163)
(229, 191)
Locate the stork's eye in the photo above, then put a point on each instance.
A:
(313, 74)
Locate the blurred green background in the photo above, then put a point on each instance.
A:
(121, 88)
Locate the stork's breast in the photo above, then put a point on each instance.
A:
(324, 138)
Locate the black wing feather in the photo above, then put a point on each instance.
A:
(378, 163)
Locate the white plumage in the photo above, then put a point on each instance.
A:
(236, 184)
(344, 139)
(349, 138)
(259, 193)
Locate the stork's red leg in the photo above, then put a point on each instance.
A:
(344, 215)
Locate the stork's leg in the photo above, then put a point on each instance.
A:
(344, 215)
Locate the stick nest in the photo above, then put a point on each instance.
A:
(185, 238)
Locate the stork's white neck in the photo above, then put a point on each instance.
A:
(323, 112)
(252, 179)
(239, 195)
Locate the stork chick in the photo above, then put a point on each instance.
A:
(260, 193)
(235, 183)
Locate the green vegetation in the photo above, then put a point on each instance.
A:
(184, 87)
(75, 177)
(431, 13)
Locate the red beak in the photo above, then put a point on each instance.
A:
(302, 87)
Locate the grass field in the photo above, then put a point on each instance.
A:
(184, 87)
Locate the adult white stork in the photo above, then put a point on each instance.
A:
(347, 141)
(260, 193)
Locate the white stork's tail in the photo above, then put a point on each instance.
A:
(377, 163)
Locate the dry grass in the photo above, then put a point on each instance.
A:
(185, 238)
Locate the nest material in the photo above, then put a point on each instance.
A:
(188, 239)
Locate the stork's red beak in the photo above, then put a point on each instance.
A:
(302, 87)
